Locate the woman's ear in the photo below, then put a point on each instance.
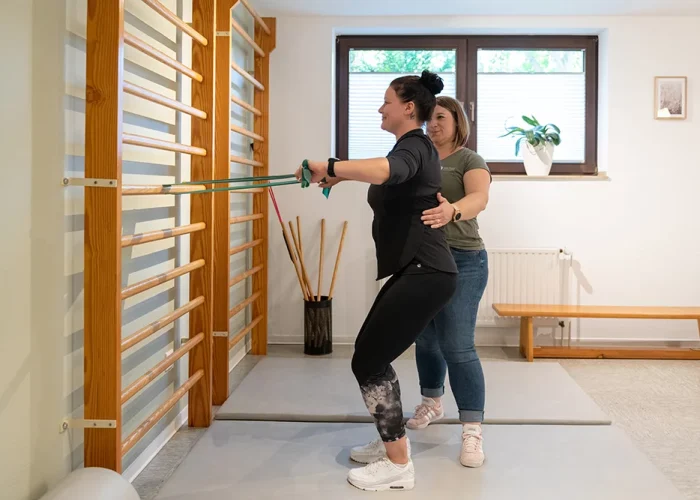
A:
(410, 108)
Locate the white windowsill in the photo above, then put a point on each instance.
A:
(601, 176)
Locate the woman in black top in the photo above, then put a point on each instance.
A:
(424, 274)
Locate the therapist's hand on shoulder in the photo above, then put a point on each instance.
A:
(440, 215)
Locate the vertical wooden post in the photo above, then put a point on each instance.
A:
(260, 201)
(526, 338)
(202, 210)
(103, 224)
(222, 205)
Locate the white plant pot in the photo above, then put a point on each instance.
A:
(538, 160)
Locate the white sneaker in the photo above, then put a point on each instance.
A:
(372, 451)
(472, 453)
(383, 475)
(427, 412)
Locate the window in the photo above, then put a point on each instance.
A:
(498, 78)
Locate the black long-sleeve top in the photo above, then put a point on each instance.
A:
(399, 234)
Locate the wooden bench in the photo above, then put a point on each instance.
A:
(526, 313)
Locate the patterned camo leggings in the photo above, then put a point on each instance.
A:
(402, 309)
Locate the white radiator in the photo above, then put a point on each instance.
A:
(522, 275)
(525, 276)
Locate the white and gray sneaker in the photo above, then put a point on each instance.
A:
(383, 475)
(427, 412)
(372, 451)
(472, 454)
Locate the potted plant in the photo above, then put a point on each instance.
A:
(540, 141)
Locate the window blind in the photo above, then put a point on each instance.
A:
(366, 139)
(547, 84)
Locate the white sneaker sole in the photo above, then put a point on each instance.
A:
(471, 464)
(417, 427)
(399, 485)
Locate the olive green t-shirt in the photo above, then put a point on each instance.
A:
(462, 234)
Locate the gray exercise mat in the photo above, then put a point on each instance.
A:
(325, 390)
(310, 461)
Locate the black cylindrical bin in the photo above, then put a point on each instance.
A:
(318, 326)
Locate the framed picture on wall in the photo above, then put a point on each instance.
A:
(670, 97)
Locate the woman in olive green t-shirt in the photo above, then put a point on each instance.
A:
(448, 341)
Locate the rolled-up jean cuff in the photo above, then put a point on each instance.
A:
(432, 393)
(471, 416)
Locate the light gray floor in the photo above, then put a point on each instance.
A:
(310, 461)
(657, 404)
(325, 390)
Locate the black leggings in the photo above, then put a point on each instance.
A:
(402, 309)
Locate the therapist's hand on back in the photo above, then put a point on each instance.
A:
(440, 215)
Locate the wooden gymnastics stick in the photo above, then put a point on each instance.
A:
(337, 260)
(307, 281)
(290, 247)
(300, 241)
(301, 246)
(320, 259)
(293, 256)
(301, 256)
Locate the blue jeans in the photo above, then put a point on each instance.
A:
(447, 343)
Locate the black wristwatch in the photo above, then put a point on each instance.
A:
(331, 166)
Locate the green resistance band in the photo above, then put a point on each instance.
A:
(233, 179)
(247, 186)
(305, 182)
(306, 178)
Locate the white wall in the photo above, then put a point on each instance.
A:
(35, 387)
(19, 367)
(634, 238)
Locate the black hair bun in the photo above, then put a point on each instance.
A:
(432, 82)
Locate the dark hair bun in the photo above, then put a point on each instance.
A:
(432, 82)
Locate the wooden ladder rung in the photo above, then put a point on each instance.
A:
(247, 76)
(255, 15)
(157, 98)
(247, 38)
(150, 142)
(246, 161)
(245, 246)
(179, 23)
(243, 332)
(156, 54)
(242, 305)
(151, 374)
(149, 330)
(159, 279)
(247, 133)
(148, 424)
(245, 218)
(247, 274)
(133, 190)
(246, 106)
(161, 234)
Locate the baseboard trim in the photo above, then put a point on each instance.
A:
(299, 340)
(494, 338)
(155, 446)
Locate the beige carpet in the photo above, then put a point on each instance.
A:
(657, 403)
